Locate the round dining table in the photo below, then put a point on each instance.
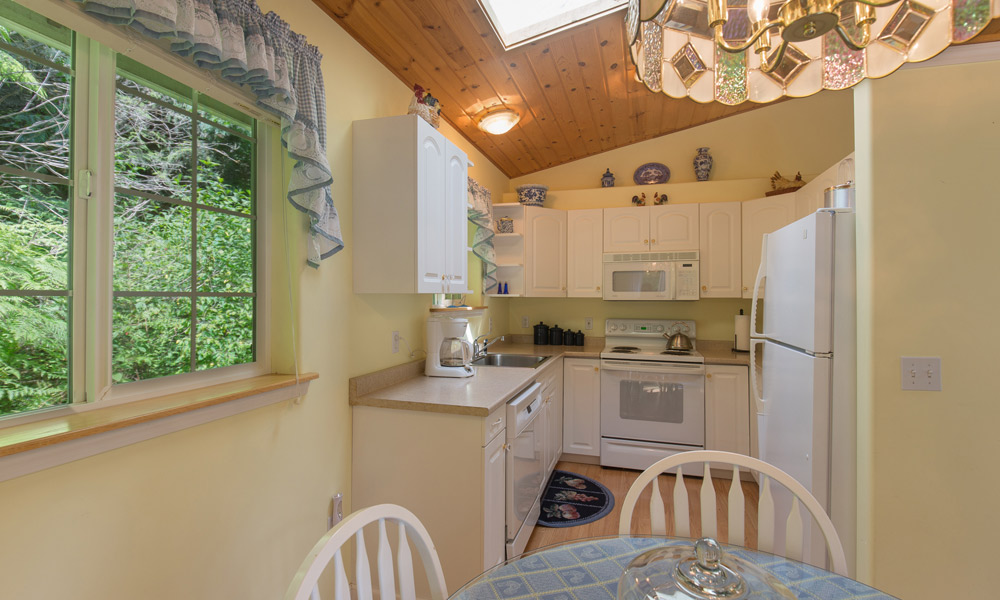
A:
(589, 570)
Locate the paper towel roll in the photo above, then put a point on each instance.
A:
(742, 332)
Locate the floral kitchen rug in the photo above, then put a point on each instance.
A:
(572, 499)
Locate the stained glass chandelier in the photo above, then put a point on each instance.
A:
(759, 50)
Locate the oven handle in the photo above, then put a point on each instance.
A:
(636, 366)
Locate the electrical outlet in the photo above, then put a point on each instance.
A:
(395, 342)
(588, 323)
(336, 511)
(524, 322)
(920, 373)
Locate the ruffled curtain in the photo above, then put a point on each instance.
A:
(481, 214)
(260, 52)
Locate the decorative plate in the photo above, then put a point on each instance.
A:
(651, 173)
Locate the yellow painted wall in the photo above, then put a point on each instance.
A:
(807, 135)
(229, 509)
(928, 146)
(748, 148)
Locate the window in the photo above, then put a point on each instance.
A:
(518, 22)
(128, 250)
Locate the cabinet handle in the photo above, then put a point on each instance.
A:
(744, 288)
(596, 369)
(598, 288)
(652, 241)
(704, 288)
(645, 241)
(497, 422)
(708, 375)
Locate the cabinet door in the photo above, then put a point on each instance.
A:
(545, 252)
(626, 229)
(457, 229)
(582, 407)
(432, 211)
(721, 266)
(761, 216)
(727, 409)
(494, 497)
(809, 198)
(673, 227)
(555, 432)
(585, 244)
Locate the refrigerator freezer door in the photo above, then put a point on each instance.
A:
(793, 425)
(799, 270)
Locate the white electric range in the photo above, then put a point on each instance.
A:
(652, 398)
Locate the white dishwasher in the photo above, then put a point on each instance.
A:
(525, 467)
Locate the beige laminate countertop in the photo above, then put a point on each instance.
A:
(491, 387)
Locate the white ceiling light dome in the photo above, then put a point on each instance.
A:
(498, 120)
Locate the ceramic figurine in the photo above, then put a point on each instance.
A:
(608, 179)
(639, 200)
(659, 199)
(702, 164)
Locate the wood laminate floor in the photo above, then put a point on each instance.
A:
(619, 481)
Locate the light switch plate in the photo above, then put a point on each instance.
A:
(920, 373)
(588, 323)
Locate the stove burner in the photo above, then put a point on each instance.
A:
(625, 348)
(677, 352)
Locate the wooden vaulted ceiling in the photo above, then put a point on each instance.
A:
(575, 90)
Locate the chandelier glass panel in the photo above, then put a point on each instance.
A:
(732, 51)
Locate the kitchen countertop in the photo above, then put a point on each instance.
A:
(405, 387)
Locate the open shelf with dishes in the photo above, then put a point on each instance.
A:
(509, 248)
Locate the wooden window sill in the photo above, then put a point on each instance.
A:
(223, 399)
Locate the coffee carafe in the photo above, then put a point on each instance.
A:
(449, 347)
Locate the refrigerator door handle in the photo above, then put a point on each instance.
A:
(761, 276)
(759, 404)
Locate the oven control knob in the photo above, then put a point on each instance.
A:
(613, 327)
(659, 328)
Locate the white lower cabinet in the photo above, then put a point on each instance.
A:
(552, 397)
(727, 408)
(582, 406)
(494, 531)
(448, 469)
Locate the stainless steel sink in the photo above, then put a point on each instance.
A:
(510, 360)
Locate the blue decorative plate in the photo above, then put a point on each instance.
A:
(651, 173)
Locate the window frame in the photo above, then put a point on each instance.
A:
(95, 47)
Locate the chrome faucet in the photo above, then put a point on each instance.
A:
(479, 350)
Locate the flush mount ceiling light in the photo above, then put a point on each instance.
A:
(497, 120)
(759, 50)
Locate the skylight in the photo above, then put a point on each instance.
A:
(518, 22)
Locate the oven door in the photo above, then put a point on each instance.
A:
(638, 280)
(651, 401)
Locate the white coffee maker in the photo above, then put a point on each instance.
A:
(449, 347)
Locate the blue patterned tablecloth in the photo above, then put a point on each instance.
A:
(589, 570)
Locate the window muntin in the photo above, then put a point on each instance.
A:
(36, 215)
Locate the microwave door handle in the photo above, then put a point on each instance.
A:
(761, 276)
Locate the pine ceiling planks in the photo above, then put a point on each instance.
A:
(576, 90)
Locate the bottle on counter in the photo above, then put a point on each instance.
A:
(579, 337)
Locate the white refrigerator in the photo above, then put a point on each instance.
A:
(805, 392)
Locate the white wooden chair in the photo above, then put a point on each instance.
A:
(765, 507)
(328, 548)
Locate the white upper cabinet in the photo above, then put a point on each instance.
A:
(651, 228)
(761, 216)
(673, 227)
(410, 190)
(585, 243)
(720, 252)
(545, 252)
(626, 229)
(809, 198)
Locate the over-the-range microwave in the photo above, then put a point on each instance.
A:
(651, 276)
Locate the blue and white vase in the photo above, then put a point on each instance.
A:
(608, 179)
(702, 164)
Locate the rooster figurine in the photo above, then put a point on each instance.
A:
(780, 183)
